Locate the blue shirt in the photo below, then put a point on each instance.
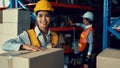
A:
(23, 38)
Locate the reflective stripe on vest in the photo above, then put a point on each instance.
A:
(34, 40)
(83, 39)
(54, 38)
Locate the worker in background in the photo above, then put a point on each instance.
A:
(40, 36)
(86, 37)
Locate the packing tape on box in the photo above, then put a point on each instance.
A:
(12, 54)
(10, 62)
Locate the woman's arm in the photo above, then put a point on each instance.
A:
(90, 41)
(20, 42)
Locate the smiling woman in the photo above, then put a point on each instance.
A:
(43, 19)
(40, 36)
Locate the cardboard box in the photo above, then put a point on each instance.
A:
(0, 37)
(0, 42)
(14, 28)
(48, 58)
(1, 16)
(10, 28)
(16, 15)
(23, 27)
(7, 37)
(15, 21)
(1, 28)
(109, 58)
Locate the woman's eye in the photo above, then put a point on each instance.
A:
(40, 15)
(47, 15)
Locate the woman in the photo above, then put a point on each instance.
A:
(40, 36)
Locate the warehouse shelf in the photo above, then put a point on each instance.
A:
(71, 6)
(2, 8)
(116, 10)
(67, 51)
(74, 6)
(63, 5)
(118, 30)
(65, 28)
(107, 26)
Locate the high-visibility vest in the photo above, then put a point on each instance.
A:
(35, 42)
(83, 39)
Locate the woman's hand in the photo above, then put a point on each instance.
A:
(88, 56)
(30, 47)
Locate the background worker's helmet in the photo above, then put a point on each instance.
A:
(88, 15)
(43, 5)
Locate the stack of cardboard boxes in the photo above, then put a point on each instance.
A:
(1, 29)
(13, 22)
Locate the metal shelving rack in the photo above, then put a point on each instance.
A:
(19, 3)
(107, 26)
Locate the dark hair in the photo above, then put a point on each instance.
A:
(88, 20)
(43, 10)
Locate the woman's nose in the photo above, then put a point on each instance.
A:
(44, 19)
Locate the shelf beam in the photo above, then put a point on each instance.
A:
(71, 6)
(65, 28)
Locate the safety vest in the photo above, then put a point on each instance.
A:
(83, 39)
(34, 40)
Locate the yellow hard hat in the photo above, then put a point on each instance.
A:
(43, 5)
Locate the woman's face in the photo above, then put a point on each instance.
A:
(85, 21)
(43, 19)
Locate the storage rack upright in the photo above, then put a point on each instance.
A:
(107, 26)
